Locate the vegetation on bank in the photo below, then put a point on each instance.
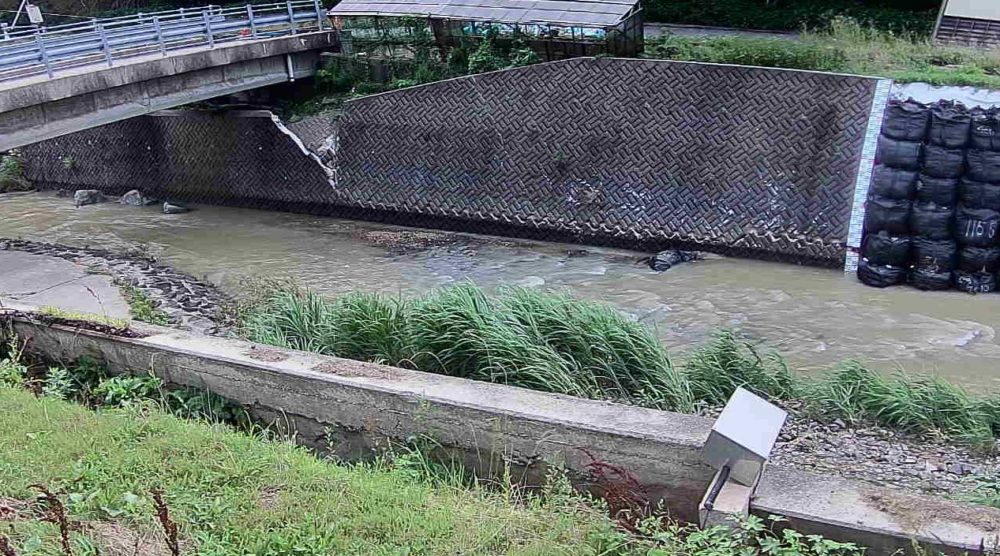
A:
(12, 174)
(133, 477)
(555, 343)
(845, 46)
(896, 16)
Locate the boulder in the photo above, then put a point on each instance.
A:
(87, 197)
(173, 208)
(135, 198)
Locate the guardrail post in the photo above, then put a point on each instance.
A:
(253, 24)
(6, 35)
(159, 35)
(104, 45)
(45, 55)
(182, 13)
(291, 17)
(319, 14)
(208, 28)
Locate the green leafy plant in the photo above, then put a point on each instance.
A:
(142, 307)
(122, 391)
(12, 174)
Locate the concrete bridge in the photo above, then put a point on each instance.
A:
(60, 80)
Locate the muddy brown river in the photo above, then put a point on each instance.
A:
(815, 317)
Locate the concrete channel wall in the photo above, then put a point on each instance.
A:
(354, 409)
(640, 154)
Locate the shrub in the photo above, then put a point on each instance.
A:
(12, 174)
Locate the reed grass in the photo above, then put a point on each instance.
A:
(553, 342)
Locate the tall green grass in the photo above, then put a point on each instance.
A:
(554, 343)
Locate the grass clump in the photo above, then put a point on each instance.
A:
(918, 404)
(726, 363)
(554, 343)
(142, 307)
(57, 313)
(847, 46)
(519, 337)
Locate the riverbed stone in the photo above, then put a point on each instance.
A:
(87, 197)
(174, 208)
(135, 198)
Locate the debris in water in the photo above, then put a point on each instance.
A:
(664, 260)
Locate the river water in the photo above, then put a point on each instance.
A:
(815, 317)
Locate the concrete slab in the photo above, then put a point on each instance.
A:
(50, 282)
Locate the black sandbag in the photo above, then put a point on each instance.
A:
(985, 130)
(930, 279)
(883, 249)
(940, 191)
(893, 183)
(983, 165)
(891, 215)
(906, 120)
(931, 221)
(942, 162)
(936, 254)
(880, 276)
(904, 155)
(974, 282)
(950, 124)
(977, 194)
(979, 259)
(977, 227)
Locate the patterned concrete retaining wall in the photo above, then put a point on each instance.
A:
(637, 153)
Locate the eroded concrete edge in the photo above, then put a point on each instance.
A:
(352, 408)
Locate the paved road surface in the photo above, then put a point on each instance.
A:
(42, 281)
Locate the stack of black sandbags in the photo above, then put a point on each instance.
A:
(932, 219)
(886, 249)
(934, 206)
(979, 210)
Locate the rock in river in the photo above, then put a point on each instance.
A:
(171, 208)
(87, 197)
(135, 198)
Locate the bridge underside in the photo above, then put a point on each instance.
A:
(37, 109)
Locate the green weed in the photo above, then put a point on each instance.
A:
(142, 307)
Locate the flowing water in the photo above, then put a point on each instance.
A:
(815, 317)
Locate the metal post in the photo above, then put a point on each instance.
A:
(253, 24)
(319, 14)
(182, 13)
(104, 45)
(208, 28)
(291, 17)
(159, 35)
(45, 55)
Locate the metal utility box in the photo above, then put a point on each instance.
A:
(743, 436)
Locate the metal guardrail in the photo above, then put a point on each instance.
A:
(50, 50)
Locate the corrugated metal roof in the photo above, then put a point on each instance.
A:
(582, 13)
